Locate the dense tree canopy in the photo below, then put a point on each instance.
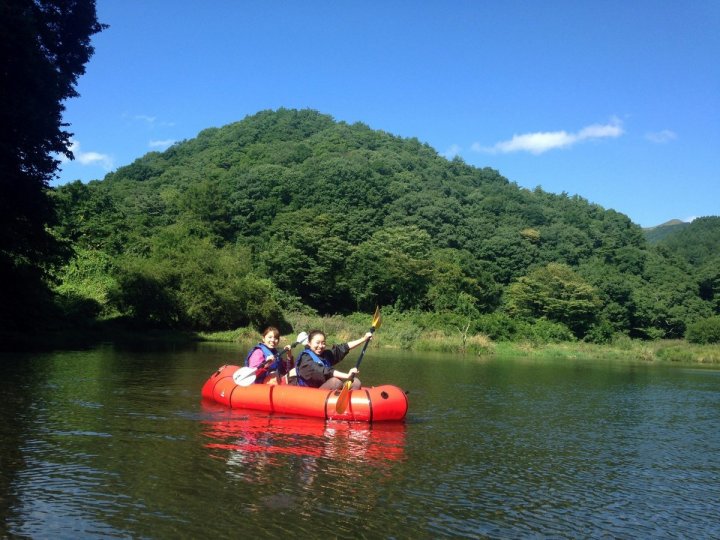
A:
(333, 217)
(44, 47)
(557, 293)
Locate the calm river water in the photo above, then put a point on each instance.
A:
(114, 442)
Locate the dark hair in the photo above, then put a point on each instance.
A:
(314, 333)
(271, 329)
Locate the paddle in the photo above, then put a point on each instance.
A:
(344, 397)
(245, 375)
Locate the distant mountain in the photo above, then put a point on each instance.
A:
(697, 242)
(290, 207)
(672, 222)
(654, 234)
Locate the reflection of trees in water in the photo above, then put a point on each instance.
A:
(16, 418)
(269, 449)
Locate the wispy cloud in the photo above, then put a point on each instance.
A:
(89, 158)
(451, 152)
(542, 141)
(661, 137)
(149, 121)
(161, 144)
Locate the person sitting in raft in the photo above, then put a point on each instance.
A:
(266, 357)
(314, 365)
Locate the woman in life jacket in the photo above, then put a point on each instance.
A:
(314, 365)
(266, 357)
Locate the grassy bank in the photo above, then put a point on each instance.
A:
(402, 332)
(419, 332)
(622, 350)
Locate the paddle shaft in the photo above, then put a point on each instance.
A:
(362, 352)
(344, 397)
(360, 358)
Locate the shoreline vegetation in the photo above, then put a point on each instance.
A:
(218, 231)
(399, 331)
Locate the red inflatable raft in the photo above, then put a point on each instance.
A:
(372, 404)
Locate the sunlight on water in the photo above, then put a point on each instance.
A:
(117, 443)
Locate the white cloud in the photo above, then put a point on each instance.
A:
(539, 142)
(151, 122)
(161, 144)
(145, 118)
(89, 158)
(451, 152)
(661, 137)
(598, 131)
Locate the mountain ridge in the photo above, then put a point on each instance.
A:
(341, 217)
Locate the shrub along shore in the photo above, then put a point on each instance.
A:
(413, 332)
(402, 332)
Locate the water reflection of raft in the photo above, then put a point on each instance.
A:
(371, 404)
(251, 436)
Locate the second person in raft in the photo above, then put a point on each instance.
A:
(266, 357)
(314, 365)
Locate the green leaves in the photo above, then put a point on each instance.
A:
(187, 282)
(45, 48)
(704, 331)
(557, 293)
(391, 268)
(336, 218)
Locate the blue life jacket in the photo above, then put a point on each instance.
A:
(267, 351)
(315, 358)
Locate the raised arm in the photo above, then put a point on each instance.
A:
(367, 337)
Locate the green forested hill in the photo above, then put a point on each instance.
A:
(654, 234)
(290, 209)
(698, 244)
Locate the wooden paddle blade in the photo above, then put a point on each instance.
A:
(377, 319)
(344, 398)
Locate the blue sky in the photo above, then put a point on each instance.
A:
(615, 101)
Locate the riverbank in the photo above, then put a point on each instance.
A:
(86, 336)
(400, 333)
(623, 350)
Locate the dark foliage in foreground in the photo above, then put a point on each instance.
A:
(44, 47)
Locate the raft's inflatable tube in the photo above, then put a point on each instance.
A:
(371, 404)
